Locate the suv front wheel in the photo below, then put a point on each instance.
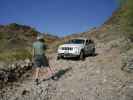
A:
(81, 56)
(59, 57)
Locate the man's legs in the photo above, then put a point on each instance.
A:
(36, 73)
(50, 71)
(47, 72)
(44, 75)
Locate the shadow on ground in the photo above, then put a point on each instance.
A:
(60, 73)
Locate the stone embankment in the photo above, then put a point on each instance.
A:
(13, 71)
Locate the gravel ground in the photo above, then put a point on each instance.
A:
(96, 78)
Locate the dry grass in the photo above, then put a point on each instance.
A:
(15, 55)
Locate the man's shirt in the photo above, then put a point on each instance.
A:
(39, 48)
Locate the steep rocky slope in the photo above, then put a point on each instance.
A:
(19, 36)
(16, 36)
(16, 41)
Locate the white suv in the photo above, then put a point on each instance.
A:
(80, 47)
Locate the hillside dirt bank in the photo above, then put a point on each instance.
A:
(96, 78)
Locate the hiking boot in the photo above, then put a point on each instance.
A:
(37, 81)
(54, 78)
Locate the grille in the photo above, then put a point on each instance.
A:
(67, 48)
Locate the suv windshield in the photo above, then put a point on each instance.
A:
(76, 41)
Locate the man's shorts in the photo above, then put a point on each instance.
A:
(40, 61)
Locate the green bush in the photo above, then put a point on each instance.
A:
(127, 18)
(121, 2)
(15, 55)
(13, 26)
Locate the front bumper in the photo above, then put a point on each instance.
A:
(67, 55)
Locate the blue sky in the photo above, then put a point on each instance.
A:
(59, 17)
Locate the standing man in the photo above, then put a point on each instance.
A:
(40, 60)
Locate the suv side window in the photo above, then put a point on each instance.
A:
(87, 42)
(91, 42)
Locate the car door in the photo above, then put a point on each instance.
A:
(91, 46)
(86, 47)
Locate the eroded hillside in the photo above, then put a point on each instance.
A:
(16, 41)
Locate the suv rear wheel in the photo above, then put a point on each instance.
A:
(93, 52)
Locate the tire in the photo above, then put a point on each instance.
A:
(93, 52)
(81, 56)
(58, 57)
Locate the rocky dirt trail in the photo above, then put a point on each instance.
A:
(96, 78)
